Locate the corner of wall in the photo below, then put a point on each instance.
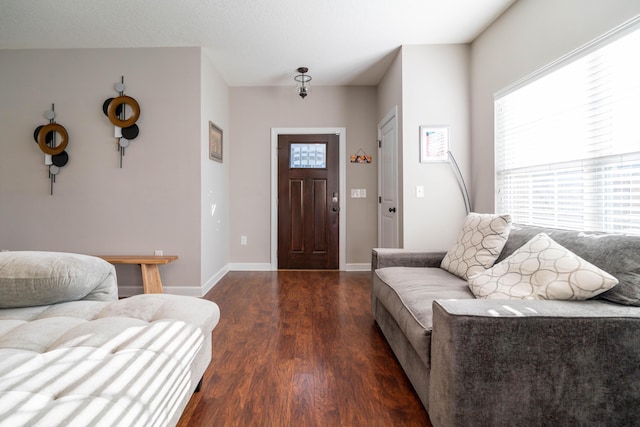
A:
(214, 183)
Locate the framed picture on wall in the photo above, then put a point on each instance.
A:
(215, 142)
(434, 144)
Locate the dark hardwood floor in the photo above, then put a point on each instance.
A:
(300, 348)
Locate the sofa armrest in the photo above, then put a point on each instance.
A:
(385, 257)
(534, 363)
(199, 312)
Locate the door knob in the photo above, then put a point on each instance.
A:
(392, 209)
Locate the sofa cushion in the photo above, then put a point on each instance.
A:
(617, 254)
(32, 278)
(408, 292)
(479, 243)
(542, 269)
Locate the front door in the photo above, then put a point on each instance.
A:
(308, 202)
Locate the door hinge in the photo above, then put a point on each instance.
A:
(379, 199)
(379, 143)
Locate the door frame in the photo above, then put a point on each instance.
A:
(391, 115)
(342, 170)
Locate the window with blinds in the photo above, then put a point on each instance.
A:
(568, 140)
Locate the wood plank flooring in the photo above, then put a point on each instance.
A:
(300, 348)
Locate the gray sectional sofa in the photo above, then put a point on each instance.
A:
(73, 354)
(488, 362)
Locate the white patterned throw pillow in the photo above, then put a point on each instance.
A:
(478, 245)
(542, 269)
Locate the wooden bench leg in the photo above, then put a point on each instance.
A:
(151, 282)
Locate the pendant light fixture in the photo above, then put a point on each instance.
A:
(302, 79)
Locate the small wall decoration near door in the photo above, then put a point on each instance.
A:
(52, 140)
(215, 142)
(361, 157)
(115, 109)
(434, 144)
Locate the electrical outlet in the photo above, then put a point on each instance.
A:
(158, 252)
(243, 240)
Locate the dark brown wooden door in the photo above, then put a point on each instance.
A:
(308, 202)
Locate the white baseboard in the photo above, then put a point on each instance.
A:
(241, 266)
(199, 291)
(191, 291)
(214, 279)
(365, 266)
(247, 266)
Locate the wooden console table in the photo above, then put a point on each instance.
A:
(151, 282)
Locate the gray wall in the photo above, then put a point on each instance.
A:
(435, 82)
(155, 201)
(530, 35)
(254, 111)
(390, 97)
(214, 177)
(430, 86)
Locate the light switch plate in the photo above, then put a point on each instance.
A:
(419, 191)
(358, 193)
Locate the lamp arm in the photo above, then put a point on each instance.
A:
(463, 187)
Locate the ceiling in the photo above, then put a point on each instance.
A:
(255, 42)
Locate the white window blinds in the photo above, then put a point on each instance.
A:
(568, 142)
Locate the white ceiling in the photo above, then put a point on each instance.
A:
(255, 42)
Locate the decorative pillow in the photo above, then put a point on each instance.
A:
(32, 278)
(478, 245)
(542, 269)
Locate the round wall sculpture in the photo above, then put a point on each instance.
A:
(126, 128)
(52, 139)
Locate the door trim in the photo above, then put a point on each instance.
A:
(391, 115)
(342, 141)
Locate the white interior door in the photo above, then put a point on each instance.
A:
(388, 181)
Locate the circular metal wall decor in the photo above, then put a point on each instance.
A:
(52, 128)
(123, 100)
(52, 139)
(126, 128)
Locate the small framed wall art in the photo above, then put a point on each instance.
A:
(434, 144)
(215, 142)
